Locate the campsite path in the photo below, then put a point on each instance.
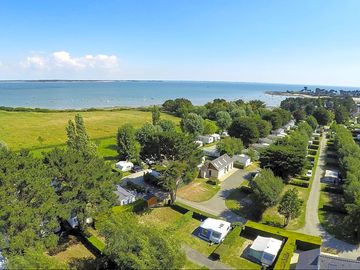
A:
(216, 205)
(312, 223)
(202, 260)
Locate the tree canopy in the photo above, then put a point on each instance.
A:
(192, 124)
(246, 129)
(290, 205)
(230, 146)
(128, 146)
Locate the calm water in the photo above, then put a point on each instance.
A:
(65, 95)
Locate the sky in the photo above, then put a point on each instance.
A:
(275, 41)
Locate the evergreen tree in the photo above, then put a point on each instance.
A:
(128, 146)
(155, 114)
(290, 205)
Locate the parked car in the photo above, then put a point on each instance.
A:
(309, 173)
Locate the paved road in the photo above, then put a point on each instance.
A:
(202, 260)
(216, 205)
(312, 223)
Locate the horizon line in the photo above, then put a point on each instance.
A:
(171, 80)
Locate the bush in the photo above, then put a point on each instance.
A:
(136, 207)
(133, 186)
(299, 183)
(213, 181)
(238, 165)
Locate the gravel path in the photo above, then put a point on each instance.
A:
(312, 223)
(202, 260)
(216, 205)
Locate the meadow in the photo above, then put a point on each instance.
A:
(34, 130)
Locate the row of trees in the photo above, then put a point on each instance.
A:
(287, 157)
(349, 159)
(268, 189)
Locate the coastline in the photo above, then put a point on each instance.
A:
(287, 94)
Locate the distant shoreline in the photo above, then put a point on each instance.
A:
(289, 94)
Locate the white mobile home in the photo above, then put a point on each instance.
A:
(124, 166)
(264, 250)
(199, 143)
(214, 230)
(216, 137)
(206, 139)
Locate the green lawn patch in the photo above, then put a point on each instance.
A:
(198, 190)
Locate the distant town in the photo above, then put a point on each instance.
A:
(318, 92)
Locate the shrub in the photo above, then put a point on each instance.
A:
(246, 189)
(213, 181)
(298, 183)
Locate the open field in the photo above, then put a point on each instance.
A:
(198, 191)
(35, 129)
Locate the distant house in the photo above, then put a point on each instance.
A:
(217, 167)
(278, 131)
(314, 260)
(124, 196)
(264, 250)
(124, 166)
(243, 159)
(199, 143)
(214, 230)
(206, 139)
(216, 137)
(211, 152)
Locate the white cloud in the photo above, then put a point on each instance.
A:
(62, 60)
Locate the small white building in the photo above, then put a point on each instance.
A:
(243, 159)
(206, 139)
(124, 166)
(199, 143)
(216, 137)
(124, 196)
(264, 250)
(2, 262)
(211, 152)
(278, 131)
(225, 134)
(217, 167)
(214, 230)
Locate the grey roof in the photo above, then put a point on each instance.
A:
(308, 260)
(332, 262)
(221, 162)
(123, 193)
(313, 260)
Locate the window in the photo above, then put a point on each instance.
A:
(216, 235)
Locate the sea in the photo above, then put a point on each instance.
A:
(106, 94)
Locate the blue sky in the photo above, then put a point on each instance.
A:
(305, 42)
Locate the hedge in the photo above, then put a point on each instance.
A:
(293, 240)
(335, 209)
(96, 243)
(246, 190)
(299, 183)
(197, 214)
(335, 190)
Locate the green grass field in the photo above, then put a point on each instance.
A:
(40, 130)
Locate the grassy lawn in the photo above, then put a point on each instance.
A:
(190, 265)
(198, 190)
(77, 256)
(51, 126)
(333, 222)
(272, 217)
